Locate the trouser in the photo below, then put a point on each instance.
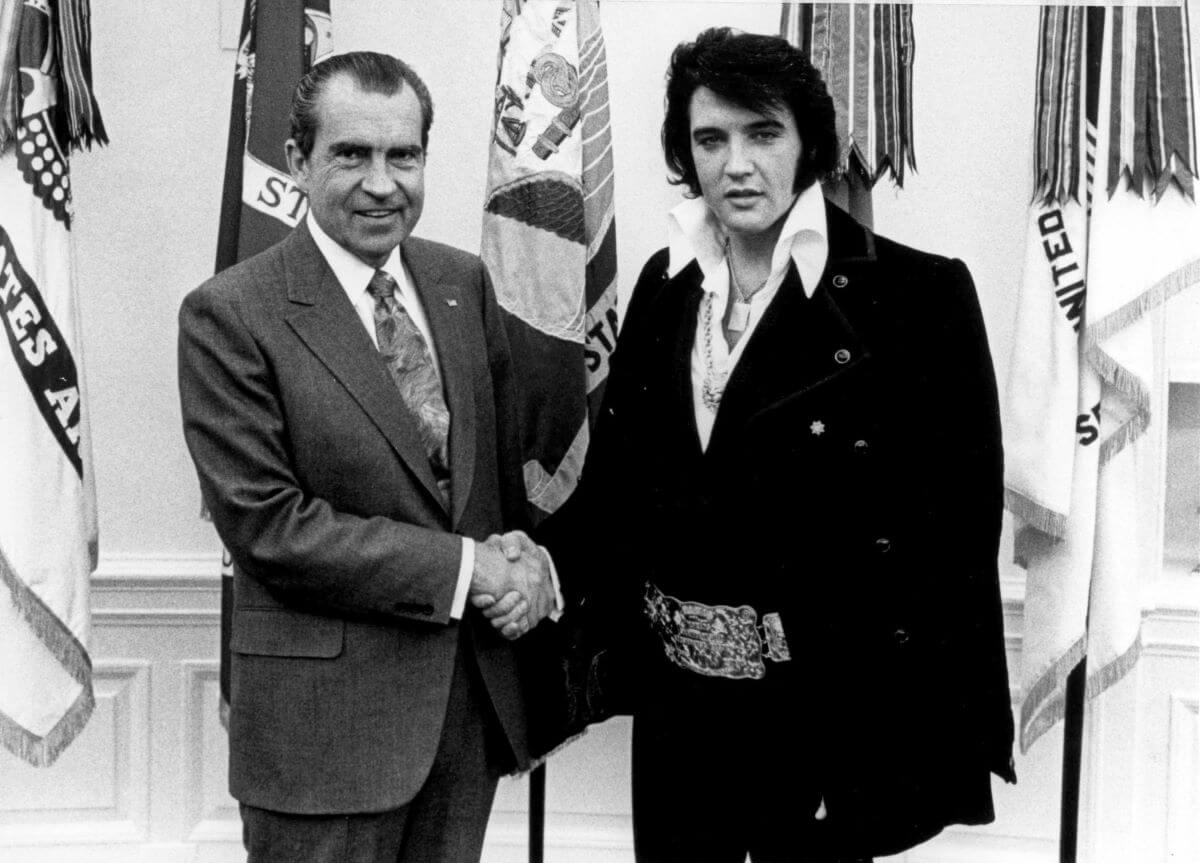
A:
(724, 769)
(443, 823)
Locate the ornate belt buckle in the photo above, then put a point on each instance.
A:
(774, 642)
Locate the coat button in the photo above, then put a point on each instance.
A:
(883, 545)
(841, 357)
(861, 447)
(901, 636)
(840, 281)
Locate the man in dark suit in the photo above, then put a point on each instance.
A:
(347, 400)
(801, 438)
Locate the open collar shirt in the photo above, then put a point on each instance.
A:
(695, 234)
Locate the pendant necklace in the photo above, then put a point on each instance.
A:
(739, 305)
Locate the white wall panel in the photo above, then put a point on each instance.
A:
(98, 789)
(146, 781)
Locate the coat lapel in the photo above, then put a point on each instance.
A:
(443, 309)
(678, 312)
(802, 342)
(326, 322)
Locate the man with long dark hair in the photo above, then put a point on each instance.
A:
(801, 441)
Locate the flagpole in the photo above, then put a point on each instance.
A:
(537, 814)
(1072, 762)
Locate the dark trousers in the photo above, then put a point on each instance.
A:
(722, 770)
(444, 823)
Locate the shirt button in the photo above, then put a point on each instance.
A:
(840, 281)
(841, 357)
(861, 447)
(883, 545)
(901, 636)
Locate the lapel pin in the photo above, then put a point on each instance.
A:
(840, 281)
(817, 428)
(452, 303)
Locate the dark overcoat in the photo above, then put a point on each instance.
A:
(852, 485)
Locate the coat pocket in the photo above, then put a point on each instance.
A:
(265, 632)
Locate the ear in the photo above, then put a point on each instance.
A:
(297, 163)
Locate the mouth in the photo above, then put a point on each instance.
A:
(378, 214)
(743, 195)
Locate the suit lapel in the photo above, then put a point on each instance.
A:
(443, 309)
(326, 322)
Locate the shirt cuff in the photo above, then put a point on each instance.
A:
(559, 604)
(465, 570)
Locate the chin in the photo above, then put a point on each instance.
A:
(746, 226)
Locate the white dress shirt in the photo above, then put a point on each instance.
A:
(693, 233)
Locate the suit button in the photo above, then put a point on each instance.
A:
(901, 636)
(861, 447)
(840, 281)
(841, 357)
(883, 545)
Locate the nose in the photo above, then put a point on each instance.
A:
(378, 180)
(738, 163)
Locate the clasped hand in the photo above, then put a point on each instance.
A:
(511, 584)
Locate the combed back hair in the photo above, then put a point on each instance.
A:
(759, 73)
(375, 73)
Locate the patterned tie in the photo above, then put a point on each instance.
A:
(411, 366)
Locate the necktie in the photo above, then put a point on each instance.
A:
(411, 366)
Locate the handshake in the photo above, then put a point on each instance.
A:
(511, 583)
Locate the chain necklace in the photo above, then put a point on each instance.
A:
(739, 300)
(714, 381)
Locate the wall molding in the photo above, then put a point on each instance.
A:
(166, 589)
(1183, 787)
(158, 568)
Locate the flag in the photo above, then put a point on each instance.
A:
(1106, 247)
(864, 52)
(549, 238)
(48, 539)
(280, 41)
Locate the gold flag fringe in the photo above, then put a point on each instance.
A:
(1101, 680)
(65, 647)
(1045, 703)
(1035, 515)
(1116, 375)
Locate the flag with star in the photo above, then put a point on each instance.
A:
(280, 41)
(549, 237)
(48, 538)
(1112, 237)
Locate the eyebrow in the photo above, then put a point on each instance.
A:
(766, 123)
(755, 126)
(339, 147)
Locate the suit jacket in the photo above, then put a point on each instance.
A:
(852, 484)
(345, 557)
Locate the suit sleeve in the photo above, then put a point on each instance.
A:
(296, 544)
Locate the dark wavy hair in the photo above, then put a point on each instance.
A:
(759, 73)
(373, 72)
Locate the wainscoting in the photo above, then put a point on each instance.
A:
(146, 779)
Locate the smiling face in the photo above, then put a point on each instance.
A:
(365, 176)
(745, 161)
